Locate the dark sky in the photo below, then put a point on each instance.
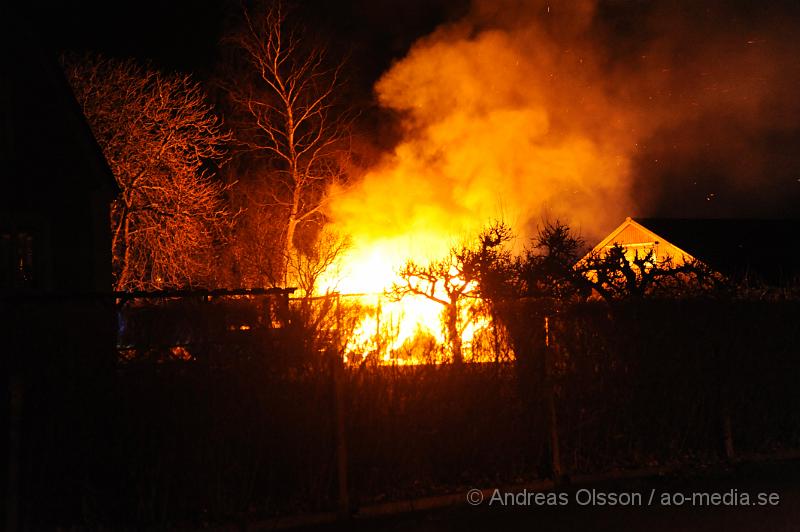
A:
(184, 34)
(684, 168)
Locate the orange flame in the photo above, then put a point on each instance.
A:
(498, 124)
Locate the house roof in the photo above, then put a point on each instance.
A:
(632, 234)
(49, 148)
(766, 249)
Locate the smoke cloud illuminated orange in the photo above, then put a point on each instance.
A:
(498, 124)
(518, 112)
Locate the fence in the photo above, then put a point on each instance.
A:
(267, 421)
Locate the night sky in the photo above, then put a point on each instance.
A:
(185, 35)
(714, 162)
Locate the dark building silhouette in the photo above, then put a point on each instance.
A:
(56, 306)
(56, 186)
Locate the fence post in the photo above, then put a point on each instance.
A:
(343, 505)
(727, 431)
(15, 399)
(552, 417)
(724, 386)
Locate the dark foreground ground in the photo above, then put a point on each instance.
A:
(773, 490)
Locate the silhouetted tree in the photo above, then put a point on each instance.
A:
(161, 139)
(457, 277)
(619, 274)
(547, 268)
(553, 269)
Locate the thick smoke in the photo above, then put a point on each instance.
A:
(577, 111)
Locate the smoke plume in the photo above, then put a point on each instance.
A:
(581, 111)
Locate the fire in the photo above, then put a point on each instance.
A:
(528, 110)
(369, 270)
(501, 120)
(393, 327)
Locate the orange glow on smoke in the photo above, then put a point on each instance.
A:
(525, 110)
(497, 124)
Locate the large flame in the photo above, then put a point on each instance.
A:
(540, 108)
(498, 124)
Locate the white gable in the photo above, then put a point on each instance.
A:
(634, 237)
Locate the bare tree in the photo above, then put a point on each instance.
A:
(441, 282)
(253, 256)
(459, 276)
(618, 274)
(290, 105)
(323, 256)
(161, 139)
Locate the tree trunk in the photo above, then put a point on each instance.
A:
(289, 250)
(124, 271)
(557, 470)
(294, 208)
(452, 332)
